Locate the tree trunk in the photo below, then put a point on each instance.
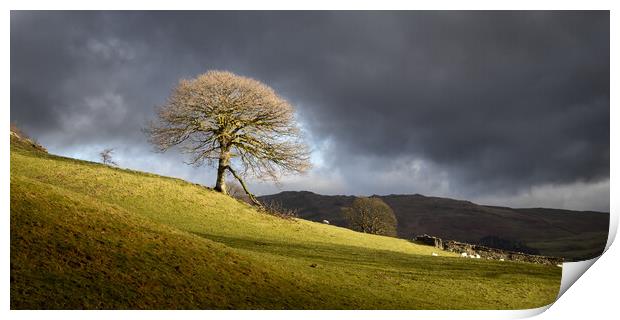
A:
(220, 183)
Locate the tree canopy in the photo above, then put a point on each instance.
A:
(371, 215)
(235, 123)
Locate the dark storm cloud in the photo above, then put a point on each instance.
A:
(497, 101)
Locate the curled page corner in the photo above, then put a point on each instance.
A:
(528, 313)
(571, 271)
(613, 229)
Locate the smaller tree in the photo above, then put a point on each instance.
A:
(371, 215)
(106, 156)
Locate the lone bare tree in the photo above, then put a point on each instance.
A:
(227, 120)
(371, 215)
(106, 156)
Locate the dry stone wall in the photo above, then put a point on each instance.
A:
(485, 252)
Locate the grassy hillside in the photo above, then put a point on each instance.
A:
(84, 235)
(572, 235)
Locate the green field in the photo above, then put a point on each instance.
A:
(85, 235)
(584, 244)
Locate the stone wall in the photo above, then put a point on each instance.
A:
(430, 241)
(485, 252)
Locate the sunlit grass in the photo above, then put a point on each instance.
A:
(84, 235)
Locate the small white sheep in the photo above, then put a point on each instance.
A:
(477, 256)
(325, 222)
(434, 254)
(501, 259)
(464, 254)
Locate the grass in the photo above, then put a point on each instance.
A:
(85, 235)
(582, 246)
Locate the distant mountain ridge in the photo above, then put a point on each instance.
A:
(572, 235)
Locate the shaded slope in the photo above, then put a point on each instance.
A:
(84, 235)
(70, 251)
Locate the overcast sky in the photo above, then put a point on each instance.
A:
(504, 108)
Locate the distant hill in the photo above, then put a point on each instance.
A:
(572, 235)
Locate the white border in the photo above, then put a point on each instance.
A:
(593, 295)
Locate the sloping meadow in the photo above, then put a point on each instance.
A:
(89, 236)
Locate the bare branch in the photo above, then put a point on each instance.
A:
(245, 187)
